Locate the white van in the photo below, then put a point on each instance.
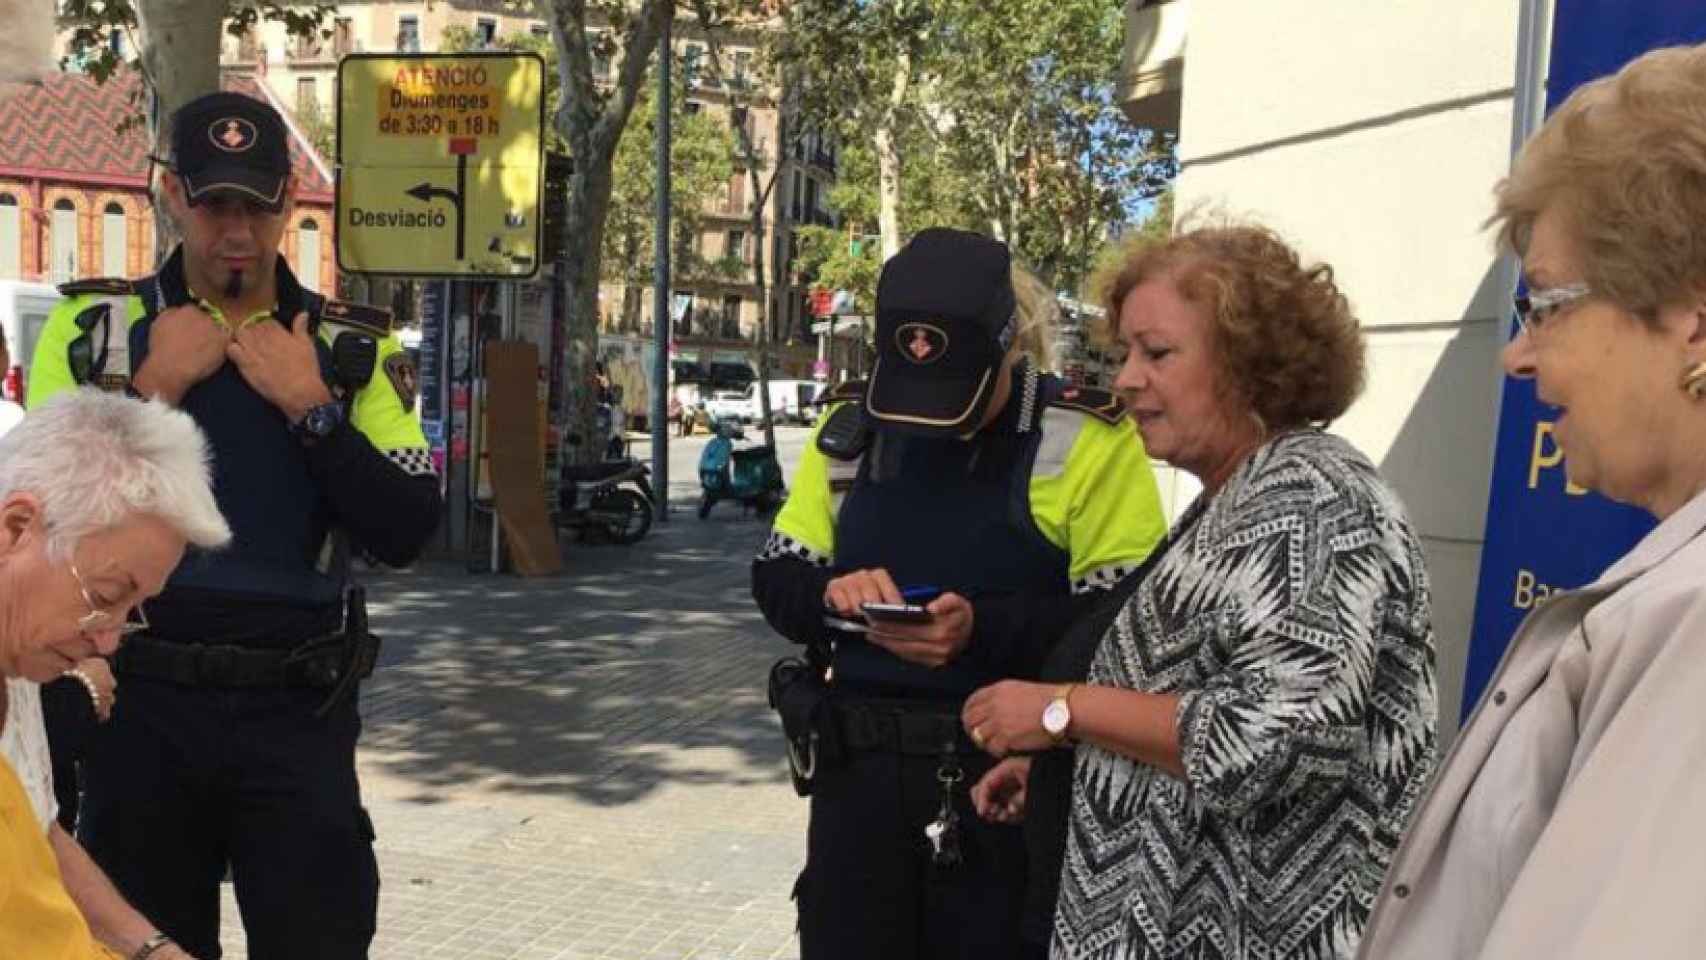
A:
(791, 400)
(24, 308)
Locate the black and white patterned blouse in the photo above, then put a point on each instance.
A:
(1292, 617)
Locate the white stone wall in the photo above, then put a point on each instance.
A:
(1371, 134)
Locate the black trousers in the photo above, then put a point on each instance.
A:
(185, 780)
(869, 889)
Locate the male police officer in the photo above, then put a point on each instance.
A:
(239, 720)
(963, 469)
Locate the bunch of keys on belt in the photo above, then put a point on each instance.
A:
(944, 831)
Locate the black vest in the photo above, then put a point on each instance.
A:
(265, 588)
(951, 514)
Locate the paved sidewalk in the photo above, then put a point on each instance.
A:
(581, 766)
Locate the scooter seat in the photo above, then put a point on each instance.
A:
(594, 472)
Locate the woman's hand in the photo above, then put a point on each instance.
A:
(1006, 717)
(999, 795)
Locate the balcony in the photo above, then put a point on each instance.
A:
(1152, 69)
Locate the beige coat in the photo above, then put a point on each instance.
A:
(1569, 820)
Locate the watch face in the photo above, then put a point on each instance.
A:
(322, 420)
(1056, 717)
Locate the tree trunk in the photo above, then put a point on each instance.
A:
(593, 127)
(583, 238)
(180, 57)
(888, 159)
(766, 312)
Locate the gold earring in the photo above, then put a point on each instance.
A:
(1694, 381)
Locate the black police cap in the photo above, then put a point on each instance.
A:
(946, 316)
(229, 143)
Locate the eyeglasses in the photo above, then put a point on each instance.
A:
(1534, 309)
(103, 621)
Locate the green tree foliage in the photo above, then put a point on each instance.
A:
(1029, 116)
(1006, 120)
(701, 161)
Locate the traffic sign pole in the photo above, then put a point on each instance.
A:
(660, 299)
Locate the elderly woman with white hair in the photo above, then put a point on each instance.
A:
(99, 497)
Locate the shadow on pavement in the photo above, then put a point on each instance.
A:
(637, 666)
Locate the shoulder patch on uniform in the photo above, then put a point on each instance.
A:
(403, 376)
(1104, 405)
(843, 392)
(106, 285)
(366, 315)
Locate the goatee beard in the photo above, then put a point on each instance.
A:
(234, 285)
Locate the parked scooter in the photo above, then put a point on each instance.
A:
(751, 475)
(611, 501)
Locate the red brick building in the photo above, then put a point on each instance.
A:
(74, 192)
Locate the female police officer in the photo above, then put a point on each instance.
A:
(961, 471)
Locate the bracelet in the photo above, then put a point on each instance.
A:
(89, 685)
(150, 946)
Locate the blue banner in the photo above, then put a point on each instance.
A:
(1542, 534)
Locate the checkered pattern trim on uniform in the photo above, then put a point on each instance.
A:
(1102, 578)
(415, 461)
(781, 545)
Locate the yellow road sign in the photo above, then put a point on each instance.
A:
(440, 164)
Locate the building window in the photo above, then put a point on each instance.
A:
(731, 318)
(740, 119)
(343, 36)
(692, 107)
(684, 313)
(409, 34)
(308, 46)
(737, 192)
(64, 241)
(115, 241)
(743, 68)
(116, 41)
(597, 45)
(799, 186)
(307, 97)
(735, 245)
(540, 31)
(11, 238)
(691, 61)
(486, 32)
(811, 200)
(308, 255)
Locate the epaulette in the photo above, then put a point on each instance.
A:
(843, 392)
(1104, 405)
(375, 320)
(110, 286)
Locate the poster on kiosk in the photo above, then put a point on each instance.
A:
(1543, 534)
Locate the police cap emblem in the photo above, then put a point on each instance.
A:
(232, 134)
(921, 343)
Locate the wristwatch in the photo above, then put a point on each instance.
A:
(1057, 715)
(319, 422)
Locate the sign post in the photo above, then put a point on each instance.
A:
(441, 164)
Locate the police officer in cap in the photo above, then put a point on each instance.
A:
(239, 720)
(963, 479)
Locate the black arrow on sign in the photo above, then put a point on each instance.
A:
(425, 192)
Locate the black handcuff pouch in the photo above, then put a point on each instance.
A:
(800, 697)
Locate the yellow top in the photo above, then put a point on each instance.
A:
(38, 921)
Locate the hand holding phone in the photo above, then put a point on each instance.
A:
(895, 612)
